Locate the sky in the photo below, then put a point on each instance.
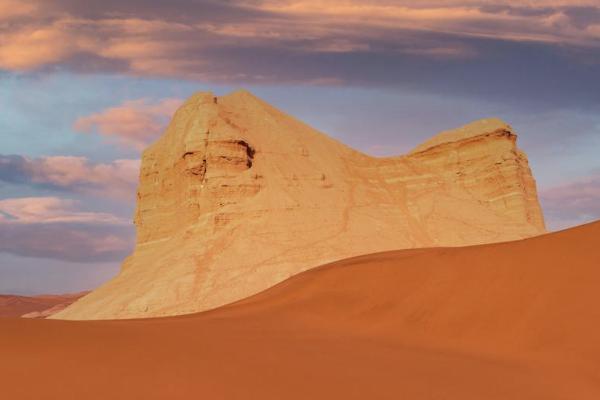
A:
(85, 86)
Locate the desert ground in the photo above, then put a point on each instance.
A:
(39, 306)
(514, 320)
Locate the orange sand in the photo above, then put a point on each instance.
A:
(516, 320)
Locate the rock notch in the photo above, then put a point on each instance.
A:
(237, 196)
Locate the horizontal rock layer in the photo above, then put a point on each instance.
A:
(237, 196)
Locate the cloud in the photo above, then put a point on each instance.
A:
(151, 38)
(134, 123)
(36, 46)
(15, 8)
(50, 227)
(572, 203)
(28, 210)
(547, 52)
(116, 179)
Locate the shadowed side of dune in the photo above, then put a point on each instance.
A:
(515, 320)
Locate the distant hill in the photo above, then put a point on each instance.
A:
(35, 306)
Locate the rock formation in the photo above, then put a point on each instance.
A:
(237, 196)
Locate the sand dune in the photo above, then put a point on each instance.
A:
(35, 306)
(516, 320)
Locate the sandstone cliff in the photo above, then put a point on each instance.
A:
(237, 196)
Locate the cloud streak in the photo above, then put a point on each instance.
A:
(50, 227)
(545, 53)
(33, 210)
(150, 38)
(134, 123)
(116, 179)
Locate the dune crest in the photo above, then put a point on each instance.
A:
(237, 196)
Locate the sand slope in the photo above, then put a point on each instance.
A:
(516, 320)
(35, 306)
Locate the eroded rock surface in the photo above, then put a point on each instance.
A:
(237, 196)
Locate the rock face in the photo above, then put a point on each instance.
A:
(237, 196)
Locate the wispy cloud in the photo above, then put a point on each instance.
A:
(116, 179)
(207, 41)
(50, 227)
(15, 8)
(33, 210)
(543, 53)
(134, 123)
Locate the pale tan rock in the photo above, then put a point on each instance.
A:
(237, 196)
(46, 312)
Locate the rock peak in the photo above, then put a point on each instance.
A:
(244, 98)
(476, 128)
(242, 93)
(200, 98)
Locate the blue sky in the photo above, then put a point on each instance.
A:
(84, 87)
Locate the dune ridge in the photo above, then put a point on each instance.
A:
(515, 320)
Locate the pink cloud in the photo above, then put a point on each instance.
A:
(51, 227)
(116, 179)
(63, 228)
(31, 210)
(150, 40)
(15, 8)
(134, 123)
